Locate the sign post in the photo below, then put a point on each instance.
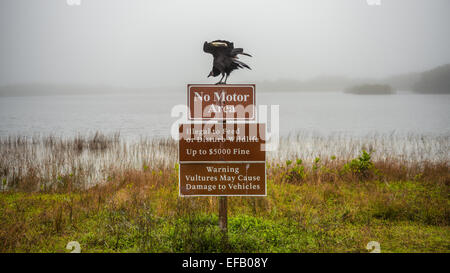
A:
(224, 155)
(223, 214)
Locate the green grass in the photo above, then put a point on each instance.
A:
(328, 204)
(403, 216)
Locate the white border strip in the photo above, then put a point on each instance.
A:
(220, 162)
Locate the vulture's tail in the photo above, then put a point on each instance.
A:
(241, 64)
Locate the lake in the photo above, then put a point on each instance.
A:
(141, 114)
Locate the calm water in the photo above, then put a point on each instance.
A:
(135, 115)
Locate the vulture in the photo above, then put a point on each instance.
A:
(225, 58)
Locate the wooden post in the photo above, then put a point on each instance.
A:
(223, 213)
(223, 202)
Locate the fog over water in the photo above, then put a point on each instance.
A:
(115, 46)
(149, 115)
(143, 43)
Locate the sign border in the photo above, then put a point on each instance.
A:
(222, 162)
(220, 119)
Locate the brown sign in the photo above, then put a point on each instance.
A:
(219, 102)
(222, 142)
(222, 179)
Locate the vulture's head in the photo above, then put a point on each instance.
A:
(219, 44)
(214, 45)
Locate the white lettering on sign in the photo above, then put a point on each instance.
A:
(221, 96)
(214, 108)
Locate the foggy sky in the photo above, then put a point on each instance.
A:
(143, 43)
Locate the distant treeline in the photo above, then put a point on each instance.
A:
(370, 89)
(322, 83)
(434, 81)
(40, 89)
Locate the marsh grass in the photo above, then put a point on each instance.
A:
(115, 196)
(54, 163)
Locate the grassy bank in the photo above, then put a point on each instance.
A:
(325, 204)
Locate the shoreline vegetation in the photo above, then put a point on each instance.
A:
(325, 194)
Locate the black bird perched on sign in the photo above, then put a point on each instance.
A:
(225, 58)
